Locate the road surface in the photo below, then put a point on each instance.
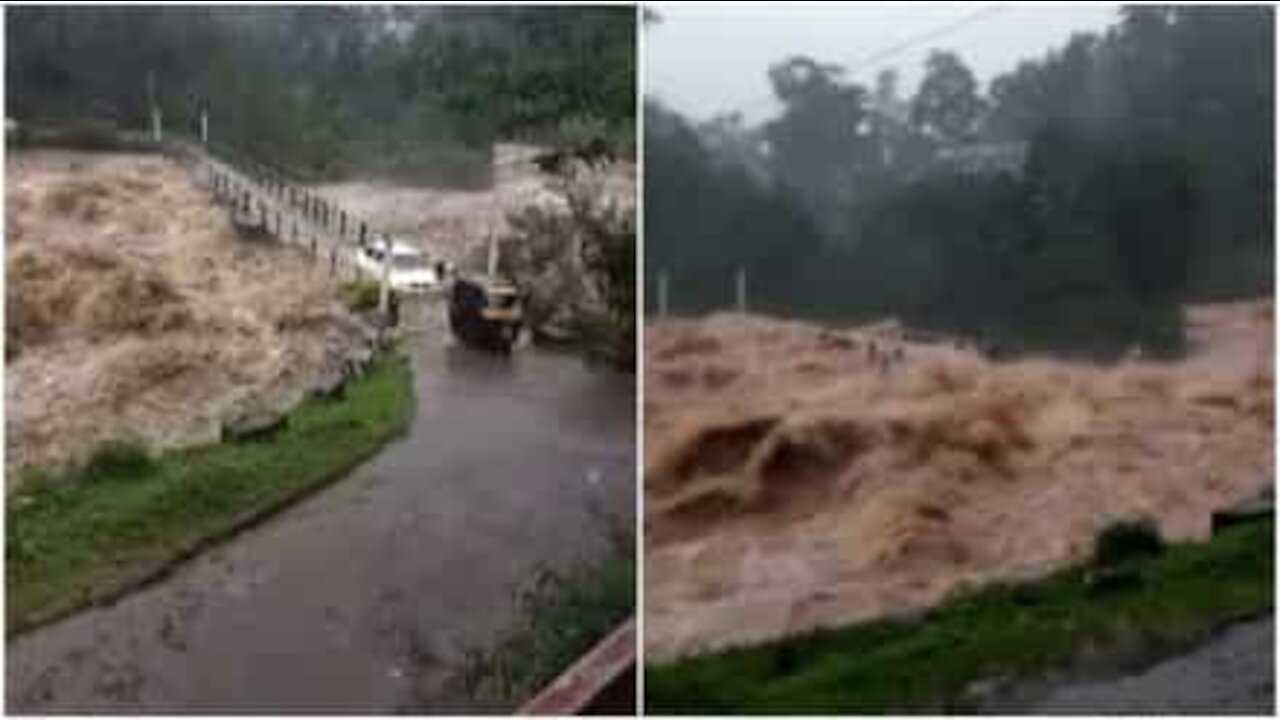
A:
(367, 596)
(1231, 673)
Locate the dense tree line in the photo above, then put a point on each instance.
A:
(704, 217)
(1075, 203)
(330, 90)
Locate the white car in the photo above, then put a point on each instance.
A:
(411, 271)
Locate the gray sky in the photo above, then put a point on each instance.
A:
(704, 58)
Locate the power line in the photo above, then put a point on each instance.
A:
(929, 36)
(879, 56)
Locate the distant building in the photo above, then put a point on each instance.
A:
(981, 159)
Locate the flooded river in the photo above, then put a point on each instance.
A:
(367, 596)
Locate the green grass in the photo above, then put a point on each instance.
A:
(87, 535)
(562, 616)
(1145, 605)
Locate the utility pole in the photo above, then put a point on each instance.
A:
(384, 290)
(742, 289)
(493, 251)
(204, 124)
(156, 129)
(663, 293)
(493, 256)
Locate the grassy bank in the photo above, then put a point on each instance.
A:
(562, 615)
(1148, 604)
(87, 535)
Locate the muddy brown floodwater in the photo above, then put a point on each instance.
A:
(367, 596)
(799, 477)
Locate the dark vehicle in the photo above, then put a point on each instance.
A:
(485, 313)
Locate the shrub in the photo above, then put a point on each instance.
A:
(599, 304)
(1127, 539)
(562, 614)
(16, 135)
(362, 295)
(118, 460)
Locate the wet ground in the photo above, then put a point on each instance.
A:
(367, 596)
(1231, 673)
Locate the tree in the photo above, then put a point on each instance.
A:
(324, 91)
(1142, 180)
(705, 219)
(1194, 81)
(818, 146)
(947, 106)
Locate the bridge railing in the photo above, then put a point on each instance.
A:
(275, 201)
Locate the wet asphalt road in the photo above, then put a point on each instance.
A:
(367, 596)
(1234, 672)
(1230, 673)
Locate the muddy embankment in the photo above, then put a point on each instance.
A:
(136, 313)
(797, 477)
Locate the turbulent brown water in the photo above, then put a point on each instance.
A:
(797, 477)
(457, 224)
(135, 312)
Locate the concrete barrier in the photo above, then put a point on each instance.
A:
(602, 682)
